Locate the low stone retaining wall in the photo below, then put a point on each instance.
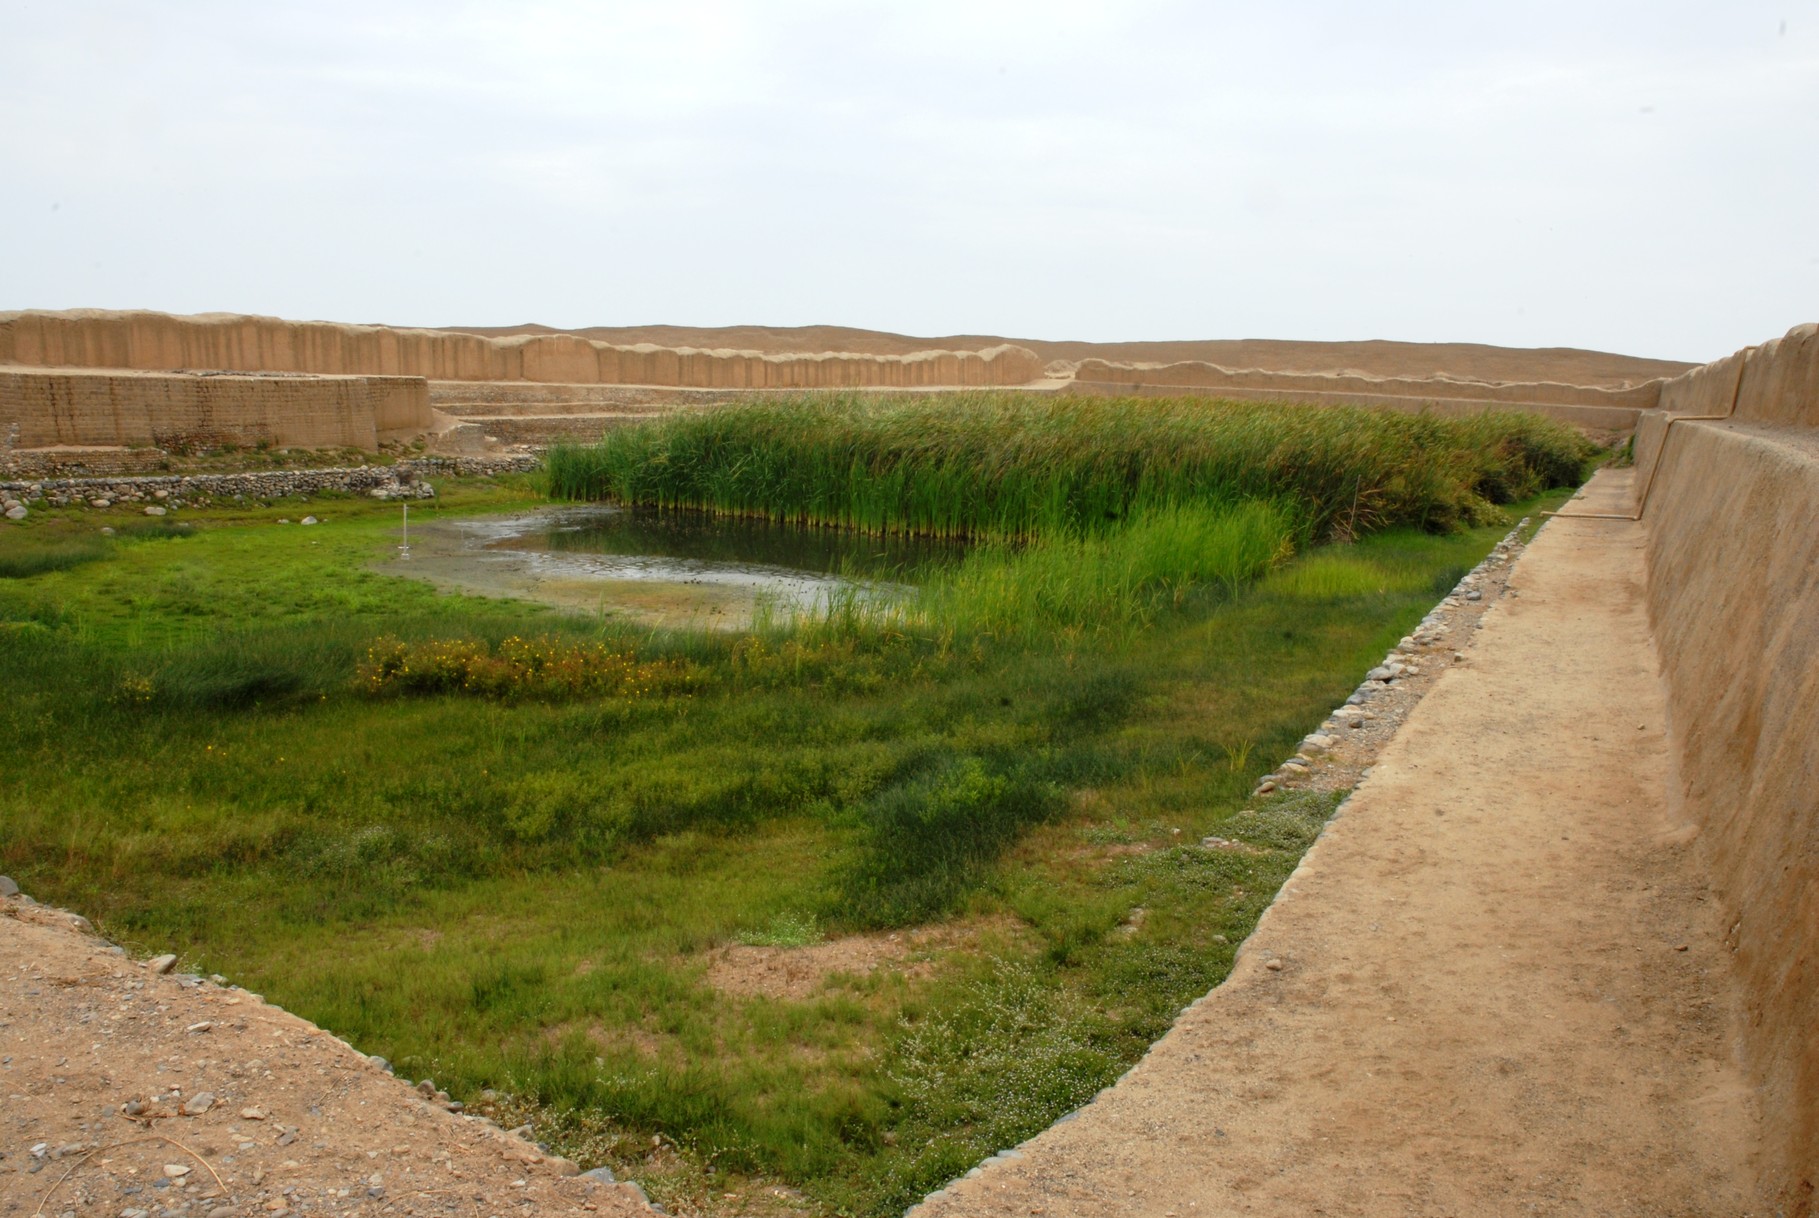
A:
(405, 480)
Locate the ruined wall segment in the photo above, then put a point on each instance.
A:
(147, 341)
(49, 408)
(1195, 374)
(1733, 549)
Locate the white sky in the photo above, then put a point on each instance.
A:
(1640, 177)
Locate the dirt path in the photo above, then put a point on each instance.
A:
(124, 1091)
(1494, 986)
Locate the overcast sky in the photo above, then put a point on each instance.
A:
(1640, 177)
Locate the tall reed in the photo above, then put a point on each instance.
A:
(1008, 465)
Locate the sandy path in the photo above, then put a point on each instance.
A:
(1494, 987)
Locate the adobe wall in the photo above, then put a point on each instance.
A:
(1732, 527)
(92, 338)
(46, 408)
(1607, 423)
(1290, 385)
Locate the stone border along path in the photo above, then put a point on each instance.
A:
(1338, 754)
(1494, 985)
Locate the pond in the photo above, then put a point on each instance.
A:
(667, 568)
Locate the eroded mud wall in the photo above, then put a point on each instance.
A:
(1288, 384)
(1733, 546)
(163, 342)
(46, 409)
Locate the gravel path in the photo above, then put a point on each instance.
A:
(1495, 986)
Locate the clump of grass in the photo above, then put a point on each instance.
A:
(60, 555)
(543, 667)
(787, 929)
(1004, 465)
(929, 837)
(993, 1065)
(1115, 580)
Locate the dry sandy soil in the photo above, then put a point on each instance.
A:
(127, 1091)
(1377, 358)
(1496, 985)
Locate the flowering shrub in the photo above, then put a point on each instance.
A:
(541, 667)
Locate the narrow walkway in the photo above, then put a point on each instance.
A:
(1494, 987)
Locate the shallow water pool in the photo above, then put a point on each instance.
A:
(667, 568)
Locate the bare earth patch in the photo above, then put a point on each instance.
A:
(796, 973)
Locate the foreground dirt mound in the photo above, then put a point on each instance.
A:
(124, 1091)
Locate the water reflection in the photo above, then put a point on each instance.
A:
(668, 568)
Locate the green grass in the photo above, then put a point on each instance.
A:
(527, 895)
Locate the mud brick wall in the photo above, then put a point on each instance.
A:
(44, 408)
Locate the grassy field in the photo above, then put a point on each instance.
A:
(552, 891)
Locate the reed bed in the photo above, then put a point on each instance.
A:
(997, 465)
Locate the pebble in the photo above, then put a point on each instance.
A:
(203, 1026)
(1317, 743)
(162, 964)
(176, 1171)
(16, 512)
(199, 1103)
(101, 503)
(1274, 966)
(309, 520)
(1474, 595)
(601, 1175)
(155, 510)
(252, 1114)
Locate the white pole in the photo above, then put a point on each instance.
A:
(405, 549)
